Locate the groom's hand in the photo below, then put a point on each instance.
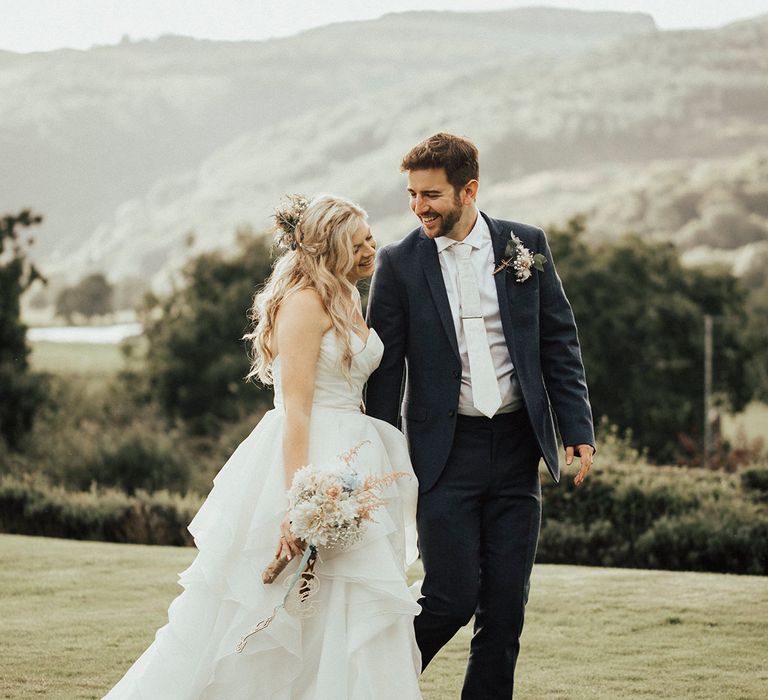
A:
(585, 453)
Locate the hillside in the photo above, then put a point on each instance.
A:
(556, 137)
(83, 131)
(572, 111)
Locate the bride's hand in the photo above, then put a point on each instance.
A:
(289, 545)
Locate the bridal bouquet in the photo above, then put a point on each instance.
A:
(329, 507)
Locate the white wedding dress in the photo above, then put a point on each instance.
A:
(360, 643)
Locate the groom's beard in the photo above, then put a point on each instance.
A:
(448, 221)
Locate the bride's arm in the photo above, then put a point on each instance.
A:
(300, 325)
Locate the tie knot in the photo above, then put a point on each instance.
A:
(462, 250)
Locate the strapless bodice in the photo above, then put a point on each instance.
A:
(332, 388)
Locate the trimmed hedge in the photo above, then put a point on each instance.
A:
(29, 506)
(635, 516)
(640, 516)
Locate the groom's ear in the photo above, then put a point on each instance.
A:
(468, 193)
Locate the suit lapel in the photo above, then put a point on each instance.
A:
(427, 251)
(500, 237)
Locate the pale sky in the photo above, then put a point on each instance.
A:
(42, 25)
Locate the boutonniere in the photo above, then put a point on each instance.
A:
(518, 258)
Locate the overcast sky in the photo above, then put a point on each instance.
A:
(41, 25)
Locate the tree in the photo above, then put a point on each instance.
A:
(196, 359)
(756, 333)
(21, 392)
(640, 315)
(92, 296)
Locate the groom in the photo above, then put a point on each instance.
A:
(479, 334)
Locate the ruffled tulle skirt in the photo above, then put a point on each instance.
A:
(359, 643)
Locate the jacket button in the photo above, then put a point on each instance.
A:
(451, 413)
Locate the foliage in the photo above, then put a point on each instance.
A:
(32, 506)
(725, 455)
(626, 515)
(92, 296)
(109, 432)
(640, 316)
(658, 517)
(21, 392)
(755, 483)
(756, 334)
(196, 362)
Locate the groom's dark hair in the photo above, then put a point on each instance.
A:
(456, 155)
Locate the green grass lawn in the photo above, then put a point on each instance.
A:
(76, 358)
(75, 615)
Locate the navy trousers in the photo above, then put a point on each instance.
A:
(478, 529)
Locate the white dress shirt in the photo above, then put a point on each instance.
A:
(482, 262)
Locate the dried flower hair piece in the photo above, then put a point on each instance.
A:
(287, 219)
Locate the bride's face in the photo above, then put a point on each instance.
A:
(364, 252)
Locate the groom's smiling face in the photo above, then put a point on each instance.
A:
(436, 203)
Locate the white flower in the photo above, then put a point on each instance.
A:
(518, 258)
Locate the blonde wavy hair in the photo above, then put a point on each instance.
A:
(316, 236)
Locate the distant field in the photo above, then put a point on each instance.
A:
(75, 615)
(752, 423)
(77, 358)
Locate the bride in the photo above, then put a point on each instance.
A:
(309, 340)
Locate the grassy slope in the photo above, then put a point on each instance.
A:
(76, 614)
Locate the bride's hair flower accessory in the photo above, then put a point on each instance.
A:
(518, 259)
(287, 219)
(330, 506)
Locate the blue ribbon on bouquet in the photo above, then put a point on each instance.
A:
(309, 554)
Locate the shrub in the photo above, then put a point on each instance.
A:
(109, 434)
(21, 391)
(640, 295)
(658, 517)
(31, 506)
(196, 360)
(722, 540)
(755, 482)
(139, 459)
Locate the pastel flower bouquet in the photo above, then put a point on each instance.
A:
(329, 507)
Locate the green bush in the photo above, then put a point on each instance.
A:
(638, 293)
(140, 459)
(755, 482)
(98, 431)
(196, 360)
(31, 506)
(642, 516)
(21, 391)
(627, 516)
(721, 540)
(577, 543)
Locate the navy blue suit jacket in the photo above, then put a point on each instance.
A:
(408, 306)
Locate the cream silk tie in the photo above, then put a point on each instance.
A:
(485, 385)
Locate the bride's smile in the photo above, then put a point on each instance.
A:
(364, 251)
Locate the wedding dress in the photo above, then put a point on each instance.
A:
(359, 643)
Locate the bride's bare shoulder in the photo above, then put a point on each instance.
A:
(303, 309)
